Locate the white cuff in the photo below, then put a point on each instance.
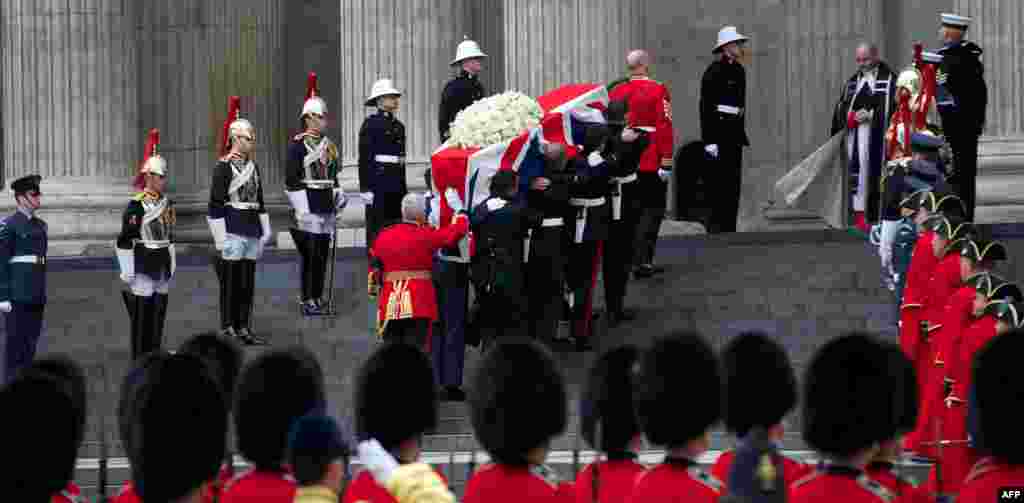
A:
(218, 228)
(889, 231)
(299, 200)
(126, 259)
(265, 223)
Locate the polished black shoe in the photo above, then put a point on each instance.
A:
(453, 394)
(249, 339)
(655, 269)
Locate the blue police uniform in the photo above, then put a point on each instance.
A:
(23, 245)
(382, 170)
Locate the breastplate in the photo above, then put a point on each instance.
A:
(158, 229)
(248, 192)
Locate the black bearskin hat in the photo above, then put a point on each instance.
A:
(396, 371)
(180, 428)
(273, 391)
(222, 354)
(999, 391)
(760, 385)
(126, 403)
(678, 389)
(39, 436)
(904, 386)
(517, 400)
(607, 419)
(65, 369)
(848, 396)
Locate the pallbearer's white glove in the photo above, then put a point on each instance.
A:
(712, 150)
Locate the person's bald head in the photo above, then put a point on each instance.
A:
(637, 62)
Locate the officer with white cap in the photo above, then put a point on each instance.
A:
(382, 159)
(723, 92)
(465, 88)
(961, 97)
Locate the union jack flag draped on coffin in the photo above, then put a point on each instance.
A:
(567, 110)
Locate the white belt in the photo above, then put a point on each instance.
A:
(726, 109)
(319, 184)
(27, 259)
(244, 206)
(552, 222)
(389, 159)
(586, 203)
(624, 179)
(154, 243)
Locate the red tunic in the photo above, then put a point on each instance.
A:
(411, 247)
(922, 265)
(364, 489)
(260, 487)
(839, 487)
(127, 495)
(650, 107)
(70, 494)
(495, 483)
(676, 481)
(792, 470)
(615, 481)
(904, 489)
(986, 478)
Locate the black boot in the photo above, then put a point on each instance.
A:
(131, 305)
(144, 313)
(246, 285)
(323, 256)
(305, 248)
(156, 334)
(228, 295)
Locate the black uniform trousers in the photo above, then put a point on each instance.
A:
(545, 273)
(504, 306)
(648, 196)
(24, 324)
(314, 250)
(618, 255)
(726, 183)
(412, 331)
(965, 167)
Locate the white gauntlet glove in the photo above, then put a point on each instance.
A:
(219, 231)
(888, 235)
(5, 306)
(126, 259)
(712, 150)
(378, 461)
(265, 223)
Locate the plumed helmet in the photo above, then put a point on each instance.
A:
(760, 384)
(273, 391)
(999, 394)
(179, 443)
(40, 429)
(234, 125)
(222, 354)
(517, 400)
(848, 397)
(678, 389)
(395, 370)
(607, 419)
(314, 104)
(152, 162)
(910, 79)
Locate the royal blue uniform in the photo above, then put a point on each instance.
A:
(382, 170)
(23, 245)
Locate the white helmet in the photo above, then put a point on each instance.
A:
(314, 104)
(728, 35)
(153, 162)
(235, 124)
(383, 87)
(468, 49)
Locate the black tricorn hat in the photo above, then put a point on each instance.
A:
(980, 250)
(1006, 291)
(39, 431)
(678, 366)
(760, 385)
(273, 391)
(395, 370)
(999, 392)
(517, 401)
(950, 205)
(222, 354)
(1012, 313)
(180, 428)
(848, 398)
(607, 420)
(615, 114)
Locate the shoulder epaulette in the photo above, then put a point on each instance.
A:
(807, 478)
(875, 488)
(705, 478)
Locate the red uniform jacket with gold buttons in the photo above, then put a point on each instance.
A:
(887, 475)
(674, 481)
(615, 479)
(256, 486)
(922, 265)
(650, 108)
(839, 485)
(495, 483)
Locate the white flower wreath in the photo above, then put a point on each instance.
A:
(495, 119)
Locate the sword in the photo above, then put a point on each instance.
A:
(331, 311)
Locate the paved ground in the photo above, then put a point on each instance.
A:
(801, 287)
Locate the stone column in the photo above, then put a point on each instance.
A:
(193, 55)
(70, 109)
(555, 42)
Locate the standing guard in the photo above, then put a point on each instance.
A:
(464, 89)
(23, 245)
(239, 222)
(961, 98)
(382, 160)
(314, 190)
(145, 251)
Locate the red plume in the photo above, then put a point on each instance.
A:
(234, 105)
(918, 50)
(311, 87)
(152, 141)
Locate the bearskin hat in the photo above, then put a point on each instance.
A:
(65, 369)
(127, 402)
(760, 384)
(848, 396)
(39, 435)
(607, 419)
(999, 391)
(273, 391)
(678, 390)
(904, 379)
(222, 354)
(517, 400)
(396, 370)
(180, 428)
